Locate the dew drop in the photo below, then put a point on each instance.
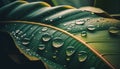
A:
(60, 17)
(57, 42)
(91, 27)
(51, 20)
(41, 47)
(27, 49)
(17, 31)
(92, 13)
(114, 30)
(82, 56)
(54, 56)
(68, 59)
(25, 41)
(80, 22)
(46, 37)
(70, 50)
(83, 33)
(44, 29)
(46, 19)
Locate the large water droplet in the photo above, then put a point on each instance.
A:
(91, 27)
(44, 29)
(70, 50)
(25, 41)
(81, 22)
(57, 42)
(82, 56)
(83, 33)
(114, 30)
(41, 46)
(46, 37)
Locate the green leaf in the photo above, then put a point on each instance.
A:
(62, 36)
(75, 3)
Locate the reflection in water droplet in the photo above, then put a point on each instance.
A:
(46, 37)
(114, 30)
(41, 47)
(70, 50)
(81, 22)
(82, 56)
(57, 42)
(83, 33)
(25, 41)
(91, 27)
(44, 29)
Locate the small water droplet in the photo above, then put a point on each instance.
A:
(17, 31)
(80, 22)
(46, 19)
(51, 20)
(70, 50)
(69, 28)
(57, 42)
(27, 49)
(31, 28)
(114, 30)
(83, 33)
(46, 37)
(68, 59)
(91, 27)
(54, 56)
(82, 56)
(41, 47)
(44, 29)
(92, 13)
(25, 41)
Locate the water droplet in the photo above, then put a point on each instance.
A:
(57, 42)
(51, 20)
(81, 22)
(91, 27)
(31, 28)
(70, 50)
(114, 30)
(82, 56)
(92, 13)
(54, 56)
(17, 31)
(46, 37)
(83, 33)
(27, 49)
(25, 41)
(60, 17)
(68, 59)
(41, 47)
(44, 29)
(46, 19)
